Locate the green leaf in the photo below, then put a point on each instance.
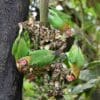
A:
(98, 35)
(28, 88)
(42, 57)
(68, 97)
(89, 74)
(90, 11)
(97, 9)
(82, 87)
(86, 75)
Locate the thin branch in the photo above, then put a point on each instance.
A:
(44, 12)
(82, 13)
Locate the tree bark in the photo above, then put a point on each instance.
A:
(11, 12)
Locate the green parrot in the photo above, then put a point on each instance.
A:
(38, 58)
(21, 45)
(76, 60)
(60, 20)
(41, 57)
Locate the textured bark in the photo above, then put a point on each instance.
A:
(11, 12)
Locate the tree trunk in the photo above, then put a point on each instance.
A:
(11, 12)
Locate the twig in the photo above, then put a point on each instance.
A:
(82, 13)
(44, 12)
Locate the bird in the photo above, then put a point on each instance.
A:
(61, 21)
(38, 58)
(21, 45)
(76, 61)
(56, 18)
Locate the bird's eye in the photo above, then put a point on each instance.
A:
(52, 14)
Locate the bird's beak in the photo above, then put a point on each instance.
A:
(22, 65)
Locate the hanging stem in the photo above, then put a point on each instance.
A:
(82, 13)
(44, 12)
